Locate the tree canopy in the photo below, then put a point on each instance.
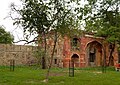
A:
(5, 37)
(103, 18)
(41, 16)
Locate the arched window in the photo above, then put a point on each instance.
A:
(75, 44)
(75, 41)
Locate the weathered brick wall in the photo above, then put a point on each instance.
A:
(83, 52)
(58, 54)
(22, 55)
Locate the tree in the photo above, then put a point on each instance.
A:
(5, 37)
(103, 17)
(42, 16)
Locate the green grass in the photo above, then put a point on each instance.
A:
(33, 76)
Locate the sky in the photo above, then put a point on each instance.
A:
(8, 22)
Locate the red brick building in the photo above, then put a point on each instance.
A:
(85, 51)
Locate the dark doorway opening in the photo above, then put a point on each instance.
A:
(92, 57)
(94, 54)
(75, 59)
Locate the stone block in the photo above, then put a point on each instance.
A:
(9, 47)
(23, 48)
(17, 48)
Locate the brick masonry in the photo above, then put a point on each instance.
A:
(22, 55)
(82, 54)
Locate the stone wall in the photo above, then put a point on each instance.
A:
(23, 55)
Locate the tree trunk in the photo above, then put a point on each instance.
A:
(43, 58)
(44, 55)
(52, 55)
(111, 62)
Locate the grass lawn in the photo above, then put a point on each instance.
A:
(33, 76)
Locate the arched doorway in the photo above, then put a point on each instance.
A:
(94, 54)
(75, 58)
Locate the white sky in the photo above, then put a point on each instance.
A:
(7, 22)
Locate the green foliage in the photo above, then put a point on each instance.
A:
(38, 16)
(103, 18)
(39, 53)
(5, 37)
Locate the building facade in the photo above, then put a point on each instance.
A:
(85, 51)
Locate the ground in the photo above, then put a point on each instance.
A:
(34, 76)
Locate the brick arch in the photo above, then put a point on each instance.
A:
(94, 54)
(76, 58)
(91, 42)
(75, 55)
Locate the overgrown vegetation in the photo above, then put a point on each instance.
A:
(5, 37)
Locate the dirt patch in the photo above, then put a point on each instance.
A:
(97, 72)
(57, 74)
(32, 82)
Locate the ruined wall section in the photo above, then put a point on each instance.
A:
(58, 54)
(23, 55)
